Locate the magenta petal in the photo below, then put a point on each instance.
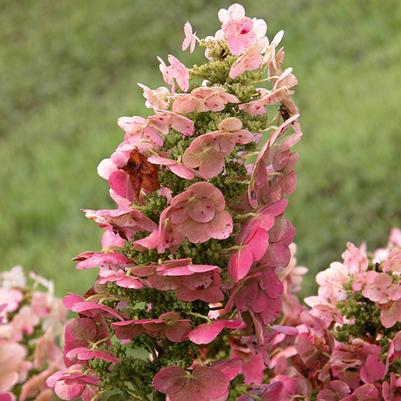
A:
(82, 307)
(373, 370)
(71, 299)
(206, 333)
(119, 182)
(240, 263)
(253, 369)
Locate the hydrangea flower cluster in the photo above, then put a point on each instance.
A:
(189, 270)
(346, 346)
(31, 326)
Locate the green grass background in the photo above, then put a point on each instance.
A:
(69, 69)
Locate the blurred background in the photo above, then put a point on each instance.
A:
(69, 69)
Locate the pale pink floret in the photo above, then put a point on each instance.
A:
(380, 288)
(280, 91)
(208, 151)
(123, 221)
(115, 273)
(331, 282)
(12, 359)
(355, 259)
(180, 385)
(240, 31)
(197, 214)
(151, 129)
(176, 72)
(203, 99)
(251, 60)
(156, 99)
(190, 38)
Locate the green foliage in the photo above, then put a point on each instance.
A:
(70, 69)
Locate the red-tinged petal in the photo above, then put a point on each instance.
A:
(214, 383)
(120, 183)
(373, 370)
(240, 263)
(206, 333)
(129, 282)
(202, 268)
(253, 369)
(170, 380)
(149, 242)
(127, 330)
(258, 244)
(271, 283)
(83, 307)
(178, 331)
(79, 332)
(71, 299)
(231, 368)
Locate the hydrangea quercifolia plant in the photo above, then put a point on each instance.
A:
(188, 282)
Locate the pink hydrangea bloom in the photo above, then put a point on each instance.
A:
(355, 259)
(176, 72)
(380, 289)
(208, 384)
(197, 214)
(72, 384)
(239, 30)
(208, 151)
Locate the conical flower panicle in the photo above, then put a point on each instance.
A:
(188, 281)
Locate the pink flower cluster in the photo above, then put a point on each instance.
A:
(192, 256)
(347, 345)
(31, 322)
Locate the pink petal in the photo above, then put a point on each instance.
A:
(206, 333)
